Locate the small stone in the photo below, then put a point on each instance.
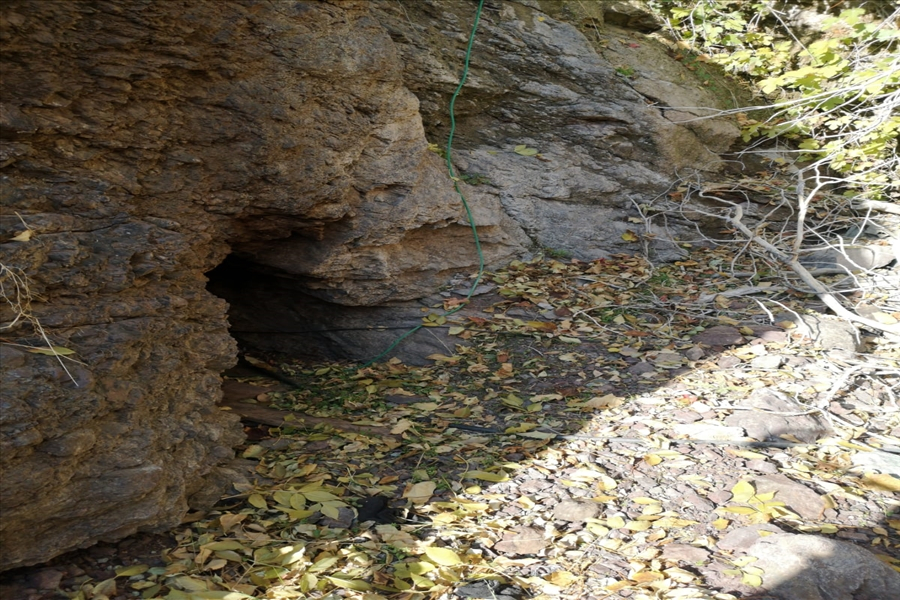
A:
(686, 416)
(771, 335)
(761, 466)
(769, 361)
(694, 353)
(720, 335)
(728, 362)
(684, 553)
(575, 511)
(720, 496)
(641, 368)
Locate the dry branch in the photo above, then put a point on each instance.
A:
(820, 290)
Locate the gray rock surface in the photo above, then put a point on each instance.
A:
(776, 415)
(806, 567)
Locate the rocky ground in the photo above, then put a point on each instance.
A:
(600, 429)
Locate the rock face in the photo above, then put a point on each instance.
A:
(144, 142)
(806, 567)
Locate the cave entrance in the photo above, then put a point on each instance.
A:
(273, 312)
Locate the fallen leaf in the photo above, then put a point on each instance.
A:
(443, 556)
(421, 492)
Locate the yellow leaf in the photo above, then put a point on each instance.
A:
(615, 522)
(606, 483)
(443, 556)
(652, 459)
(52, 351)
(751, 580)
(401, 426)
(223, 545)
(330, 511)
(356, 585)
(419, 568)
(296, 515)
(132, 570)
(638, 525)
(585, 474)
(216, 564)
(562, 578)
(647, 576)
(230, 520)
(23, 237)
(323, 564)
(881, 481)
(229, 555)
(743, 491)
(485, 476)
(721, 524)
(106, 587)
(257, 500)
(282, 497)
(319, 496)
(629, 236)
(680, 575)
(421, 492)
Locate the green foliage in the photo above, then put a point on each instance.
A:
(836, 96)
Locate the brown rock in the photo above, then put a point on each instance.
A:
(145, 142)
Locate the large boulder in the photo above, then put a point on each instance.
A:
(144, 142)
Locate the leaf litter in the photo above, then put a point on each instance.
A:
(580, 442)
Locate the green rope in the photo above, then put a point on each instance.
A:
(462, 196)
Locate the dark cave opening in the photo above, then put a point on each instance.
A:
(272, 312)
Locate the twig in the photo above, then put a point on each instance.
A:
(820, 290)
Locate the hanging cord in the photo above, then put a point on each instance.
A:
(462, 196)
